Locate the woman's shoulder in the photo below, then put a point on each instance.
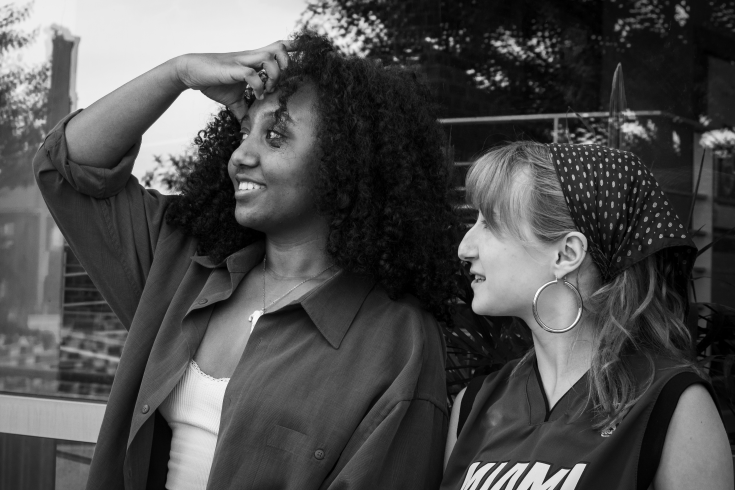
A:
(405, 309)
(485, 384)
(399, 326)
(658, 369)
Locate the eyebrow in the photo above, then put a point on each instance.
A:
(270, 115)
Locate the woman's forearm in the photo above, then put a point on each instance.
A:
(101, 134)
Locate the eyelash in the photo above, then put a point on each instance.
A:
(268, 132)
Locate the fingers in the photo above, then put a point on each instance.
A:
(273, 70)
(277, 61)
(274, 62)
(280, 53)
(251, 77)
(287, 45)
(272, 59)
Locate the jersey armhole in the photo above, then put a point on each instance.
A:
(658, 424)
(467, 400)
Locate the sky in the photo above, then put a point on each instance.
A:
(121, 39)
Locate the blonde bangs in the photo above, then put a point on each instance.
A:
(493, 189)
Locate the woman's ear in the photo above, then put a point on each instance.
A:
(571, 252)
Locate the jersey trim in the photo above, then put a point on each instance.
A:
(468, 400)
(658, 424)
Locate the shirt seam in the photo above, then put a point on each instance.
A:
(365, 436)
(421, 397)
(390, 409)
(116, 244)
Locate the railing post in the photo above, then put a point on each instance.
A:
(702, 218)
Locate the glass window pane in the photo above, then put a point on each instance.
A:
(43, 464)
(58, 336)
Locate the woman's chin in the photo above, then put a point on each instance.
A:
(486, 307)
(482, 308)
(249, 223)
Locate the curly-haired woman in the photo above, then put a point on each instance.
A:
(581, 243)
(281, 310)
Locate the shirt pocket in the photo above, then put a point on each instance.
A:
(291, 459)
(288, 440)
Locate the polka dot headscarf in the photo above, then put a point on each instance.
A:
(618, 205)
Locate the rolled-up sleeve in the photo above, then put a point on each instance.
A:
(111, 222)
(403, 452)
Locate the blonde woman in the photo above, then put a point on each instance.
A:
(581, 244)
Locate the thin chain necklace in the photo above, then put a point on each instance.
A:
(255, 315)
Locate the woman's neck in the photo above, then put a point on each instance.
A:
(297, 257)
(562, 359)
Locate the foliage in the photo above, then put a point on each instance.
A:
(23, 100)
(530, 56)
(720, 141)
(716, 349)
(171, 174)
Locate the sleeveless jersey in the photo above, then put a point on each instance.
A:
(512, 441)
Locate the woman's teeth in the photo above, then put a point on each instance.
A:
(249, 186)
(479, 278)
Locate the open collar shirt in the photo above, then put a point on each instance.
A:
(343, 389)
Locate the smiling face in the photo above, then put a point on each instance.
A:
(272, 169)
(506, 271)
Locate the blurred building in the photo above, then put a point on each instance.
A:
(57, 334)
(58, 337)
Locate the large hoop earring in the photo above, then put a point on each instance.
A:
(579, 306)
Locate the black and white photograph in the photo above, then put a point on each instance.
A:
(367, 245)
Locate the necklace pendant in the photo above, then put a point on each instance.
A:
(254, 318)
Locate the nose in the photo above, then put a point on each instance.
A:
(245, 156)
(467, 250)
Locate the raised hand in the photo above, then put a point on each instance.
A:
(223, 77)
(101, 134)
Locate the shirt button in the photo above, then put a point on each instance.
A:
(145, 409)
(319, 454)
(203, 301)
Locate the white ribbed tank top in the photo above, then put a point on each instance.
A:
(193, 411)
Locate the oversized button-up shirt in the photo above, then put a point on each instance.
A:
(344, 389)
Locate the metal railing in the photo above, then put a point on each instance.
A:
(556, 117)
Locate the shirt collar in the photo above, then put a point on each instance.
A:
(331, 307)
(241, 261)
(334, 305)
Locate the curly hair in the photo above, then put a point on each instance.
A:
(383, 181)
